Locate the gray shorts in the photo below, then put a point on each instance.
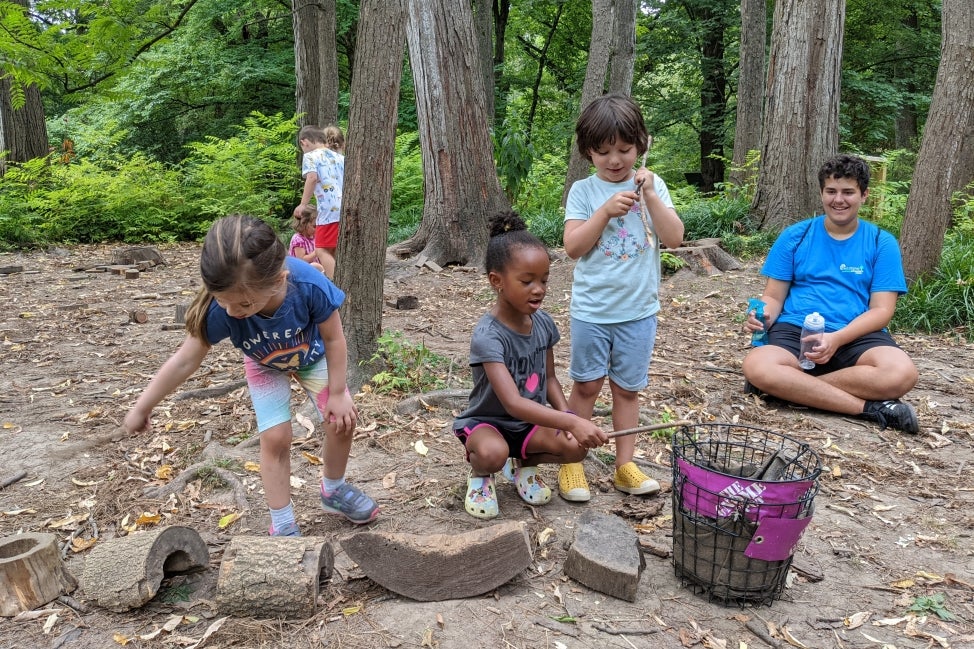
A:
(620, 351)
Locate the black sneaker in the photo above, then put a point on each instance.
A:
(892, 413)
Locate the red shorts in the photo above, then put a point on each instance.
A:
(326, 236)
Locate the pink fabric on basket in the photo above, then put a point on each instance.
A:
(775, 506)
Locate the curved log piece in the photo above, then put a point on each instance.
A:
(31, 572)
(125, 572)
(273, 576)
(436, 567)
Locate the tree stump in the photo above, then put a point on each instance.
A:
(273, 576)
(31, 572)
(125, 573)
(705, 256)
(437, 567)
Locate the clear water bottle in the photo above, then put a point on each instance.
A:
(812, 332)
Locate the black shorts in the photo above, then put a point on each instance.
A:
(517, 441)
(789, 336)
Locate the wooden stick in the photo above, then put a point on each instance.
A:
(6, 482)
(645, 429)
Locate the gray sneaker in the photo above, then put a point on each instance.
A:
(350, 502)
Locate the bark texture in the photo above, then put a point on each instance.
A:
(125, 572)
(315, 62)
(436, 567)
(31, 572)
(273, 576)
(462, 188)
(801, 120)
(367, 193)
(750, 86)
(945, 164)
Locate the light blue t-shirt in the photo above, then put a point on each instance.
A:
(289, 339)
(618, 279)
(834, 277)
(330, 168)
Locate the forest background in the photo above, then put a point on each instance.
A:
(141, 121)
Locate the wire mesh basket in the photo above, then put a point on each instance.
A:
(742, 496)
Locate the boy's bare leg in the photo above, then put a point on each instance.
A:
(625, 414)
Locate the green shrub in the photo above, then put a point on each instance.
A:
(406, 211)
(408, 367)
(255, 172)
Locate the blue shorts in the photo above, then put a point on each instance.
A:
(620, 351)
(788, 336)
(270, 390)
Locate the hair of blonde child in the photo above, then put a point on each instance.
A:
(334, 138)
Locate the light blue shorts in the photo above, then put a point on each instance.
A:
(270, 390)
(620, 351)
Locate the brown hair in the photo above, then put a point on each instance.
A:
(309, 214)
(334, 138)
(609, 118)
(239, 251)
(312, 133)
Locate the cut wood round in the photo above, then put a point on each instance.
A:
(273, 576)
(138, 316)
(31, 572)
(125, 572)
(436, 567)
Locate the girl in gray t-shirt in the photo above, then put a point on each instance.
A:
(518, 416)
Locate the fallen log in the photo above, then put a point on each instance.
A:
(125, 572)
(436, 567)
(31, 572)
(273, 576)
(705, 256)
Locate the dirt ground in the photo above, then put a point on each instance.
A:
(891, 528)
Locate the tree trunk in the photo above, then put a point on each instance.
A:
(502, 85)
(315, 62)
(750, 87)
(713, 94)
(946, 160)
(542, 62)
(367, 193)
(23, 132)
(599, 53)
(623, 54)
(462, 188)
(483, 15)
(801, 120)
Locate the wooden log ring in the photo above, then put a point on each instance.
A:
(436, 567)
(31, 572)
(273, 576)
(125, 572)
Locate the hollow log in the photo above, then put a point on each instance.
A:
(436, 567)
(273, 576)
(31, 572)
(125, 572)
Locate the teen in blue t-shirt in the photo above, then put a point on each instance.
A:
(849, 271)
